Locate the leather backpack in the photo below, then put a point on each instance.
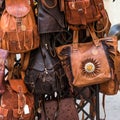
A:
(18, 27)
(20, 104)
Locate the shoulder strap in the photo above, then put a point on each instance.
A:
(10, 66)
(24, 63)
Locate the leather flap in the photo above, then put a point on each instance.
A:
(17, 8)
(79, 5)
(3, 112)
(16, 115)
(18, 84)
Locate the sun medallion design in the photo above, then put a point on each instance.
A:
(90, 67)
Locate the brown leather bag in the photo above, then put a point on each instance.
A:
(60, 110)
(20, 104)
(91, 62)
(110, 87)
(117, 66)
(81, 12)
(18, 26)
(3, 57)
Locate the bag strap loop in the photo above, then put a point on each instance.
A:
(48, 6)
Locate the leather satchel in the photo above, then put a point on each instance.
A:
(91, 62)
(3, 57)
(82, 12)
(64, 109)
(18, 26)
(19, 106)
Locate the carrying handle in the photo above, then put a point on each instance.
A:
(75, 40)
(48, 6)
(104, 14)
(95, 39)
(25, 57)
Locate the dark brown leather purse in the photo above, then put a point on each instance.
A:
(18, 27)
(90, 62)
(49, 10)
(60, 110)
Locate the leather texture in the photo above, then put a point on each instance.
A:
(81, 12)
(19, 28)
(14, 108)
(110, 87)
(2, 6)
(3, 57)
(91, 62)
(17, 84)
(66, 110)
(56, 18)
(45, 74)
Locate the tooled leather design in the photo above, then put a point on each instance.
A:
(90, 67)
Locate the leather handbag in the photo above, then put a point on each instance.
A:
(49, 10)
(82, 12)
(18, 26)
(64, 109)
(91, 62)
(3, 58)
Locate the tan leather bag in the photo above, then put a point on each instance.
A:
(79, 12)
(18, 26)
(19, 106)
(88, 63)
(110, 87)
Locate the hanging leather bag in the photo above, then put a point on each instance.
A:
(45, 74)
(64, 109)
(91, 62)
(20, 104)
(82, 12)
(18, 27)
(50, 18)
